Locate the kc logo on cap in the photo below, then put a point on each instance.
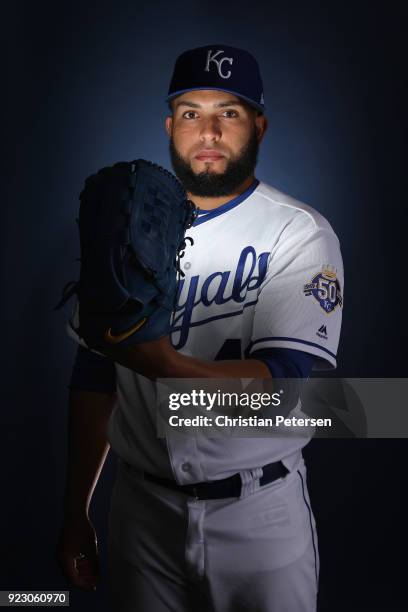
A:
(218, 67)
(218, 63)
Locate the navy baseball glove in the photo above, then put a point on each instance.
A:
(132, 221)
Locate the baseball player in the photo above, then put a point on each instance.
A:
(212, 524)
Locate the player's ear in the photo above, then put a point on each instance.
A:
(261, 124)
(169, 125)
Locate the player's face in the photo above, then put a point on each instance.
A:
(214, 140)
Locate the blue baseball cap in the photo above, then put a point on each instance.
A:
(218, 67)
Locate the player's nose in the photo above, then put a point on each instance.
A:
(210, 129)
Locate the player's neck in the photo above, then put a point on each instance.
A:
(216, 202)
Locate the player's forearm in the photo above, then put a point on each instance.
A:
(158, 359)
(189, 367)
(87, 447)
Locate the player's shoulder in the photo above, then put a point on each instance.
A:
(290, 209)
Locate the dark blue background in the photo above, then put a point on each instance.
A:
(84, 86)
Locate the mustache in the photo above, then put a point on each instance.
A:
(212, 149)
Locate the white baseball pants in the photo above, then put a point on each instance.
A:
(169, 552)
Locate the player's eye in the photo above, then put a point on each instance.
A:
(190, 114)
(230, 113)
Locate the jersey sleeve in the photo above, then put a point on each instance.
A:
(286, 363)
(72, 326)
(301, 298)
(93, 372)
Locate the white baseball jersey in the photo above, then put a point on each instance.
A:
(265, 271)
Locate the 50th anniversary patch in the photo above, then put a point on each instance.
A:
(325, 288)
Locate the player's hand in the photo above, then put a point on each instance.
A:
(77, 553)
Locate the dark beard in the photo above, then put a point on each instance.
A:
(211, 184)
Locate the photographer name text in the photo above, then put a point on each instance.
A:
(222, 420)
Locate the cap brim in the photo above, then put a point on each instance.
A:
(248, 100)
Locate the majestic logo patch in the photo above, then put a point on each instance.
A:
(325, 288)
(218, 63)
